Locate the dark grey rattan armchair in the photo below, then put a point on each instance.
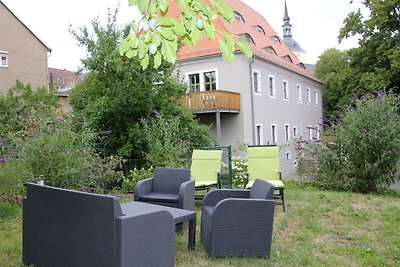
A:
(238, 223)
(169, 187)
(70, 228)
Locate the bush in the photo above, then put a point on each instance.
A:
(239, 172)
(166, 144)
(364, 156)
(129, 183)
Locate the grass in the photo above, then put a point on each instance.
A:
(319, 228)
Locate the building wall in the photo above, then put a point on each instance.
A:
(27, 56)
(268, 111)
(282, 113)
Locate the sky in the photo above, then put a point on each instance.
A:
(315, 23)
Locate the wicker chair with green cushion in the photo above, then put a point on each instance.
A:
(263, 163)
(205, 168)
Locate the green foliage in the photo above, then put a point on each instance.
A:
(117, 94)
(377, 59)
(22, 110)
(34, 145)
(157, 37)
(136, 175)
(333, 68)
(239, 172)
(364, 152)
(166, 148)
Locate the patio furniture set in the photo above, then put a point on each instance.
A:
(71, 228)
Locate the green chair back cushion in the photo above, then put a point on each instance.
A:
(206, 164)
(263, 163)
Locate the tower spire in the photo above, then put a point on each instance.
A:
(287, 27)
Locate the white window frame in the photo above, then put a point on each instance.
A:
(3, 54)
(317, 132)
(288, 156)
(316, 97)
(308, 96)
(274, 134)
(271, 91)
(299, 93)
(258, 92)
(287, 133)
(285, 90)
(261, 134)
(202, 80)
(295, 131)
(310, 131)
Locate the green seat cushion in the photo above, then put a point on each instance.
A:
(278, 184)
(263, 163)
(206, 164)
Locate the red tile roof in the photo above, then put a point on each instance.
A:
(252, 18)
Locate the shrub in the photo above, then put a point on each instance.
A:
(129, 183)
(364, 156)
(165, 147)
(239, 172)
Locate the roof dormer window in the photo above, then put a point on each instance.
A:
(276, 38)
(259, 29)
(301, 65)
(288, 58)
(271, 50)
(247, 37)
(238, 17)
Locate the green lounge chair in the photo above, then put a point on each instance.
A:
(205, 168)
(263, 163)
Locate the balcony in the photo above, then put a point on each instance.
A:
(212, 102)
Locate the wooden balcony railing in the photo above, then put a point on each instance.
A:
(212, 101)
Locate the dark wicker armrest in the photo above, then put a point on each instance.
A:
(156, 228)
(186, 195)
(245, 209)
(143, 187)
(215, 196)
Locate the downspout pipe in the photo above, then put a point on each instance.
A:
(253, 122)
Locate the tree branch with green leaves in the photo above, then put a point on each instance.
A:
(157, 36)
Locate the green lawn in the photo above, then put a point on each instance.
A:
(320, 228)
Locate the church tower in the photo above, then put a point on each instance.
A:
(288, 38)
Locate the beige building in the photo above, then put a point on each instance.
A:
(23, 56)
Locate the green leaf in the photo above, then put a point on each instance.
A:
(170, 52)
(131, 53)
(142, 5)
(167, 34)
(227, 53)
(134, 42)
(147, 37)
(124, 47)
(197, 35)
(144, 62)
(229, 40)
(223, 9)
(201, 6)
(179, 29)
(134, 27)
(153, 7)
(156, 38)
(166, 21)
(209, 29)
(163, 5)
(245, 48)
(157, 60)
(143, 49)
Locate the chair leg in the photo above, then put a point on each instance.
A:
(283, 199)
